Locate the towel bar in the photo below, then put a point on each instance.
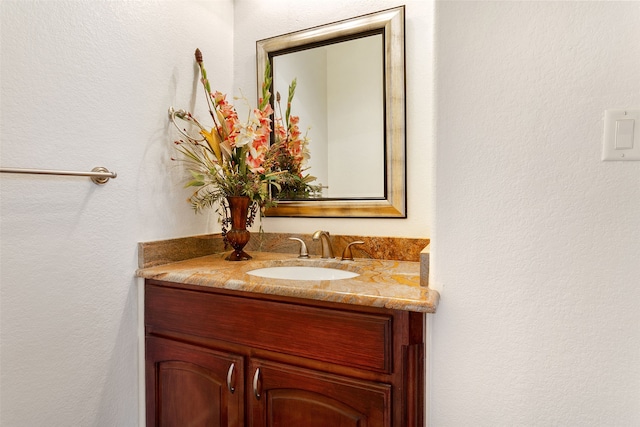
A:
(98, 175)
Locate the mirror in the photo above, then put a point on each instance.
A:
(351, 96)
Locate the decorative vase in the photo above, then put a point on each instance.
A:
(238, 236)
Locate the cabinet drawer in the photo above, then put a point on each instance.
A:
(346, 337)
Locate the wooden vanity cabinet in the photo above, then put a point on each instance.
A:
(225, 358)
(193, 386)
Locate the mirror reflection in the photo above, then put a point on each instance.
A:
(340, 101)
(350, 95)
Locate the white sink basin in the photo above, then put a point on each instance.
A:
(302, 273)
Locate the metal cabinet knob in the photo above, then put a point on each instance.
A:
(230, 381)
(256, 379)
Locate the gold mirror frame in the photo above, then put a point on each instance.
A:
(391, 23)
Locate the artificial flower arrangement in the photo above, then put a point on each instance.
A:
(235, 158)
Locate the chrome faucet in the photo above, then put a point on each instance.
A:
(323, 236)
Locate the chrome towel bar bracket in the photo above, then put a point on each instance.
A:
(98, 175)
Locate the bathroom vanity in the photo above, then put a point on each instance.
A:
(224, 347)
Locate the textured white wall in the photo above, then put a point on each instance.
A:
(536, 242)
(84, 84)
(259, 19)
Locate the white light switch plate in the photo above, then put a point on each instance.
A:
(621, 135)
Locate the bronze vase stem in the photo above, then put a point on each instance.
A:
(238, 236)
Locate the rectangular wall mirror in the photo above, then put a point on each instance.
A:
(351, 96)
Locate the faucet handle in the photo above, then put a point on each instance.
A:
(346, 254)
(304, 253)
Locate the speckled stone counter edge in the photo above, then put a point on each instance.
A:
(397, 279)
(161, 252)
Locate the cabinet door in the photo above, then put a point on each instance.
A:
(192, 386)
(286, 396)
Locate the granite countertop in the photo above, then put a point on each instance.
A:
(381, 283)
